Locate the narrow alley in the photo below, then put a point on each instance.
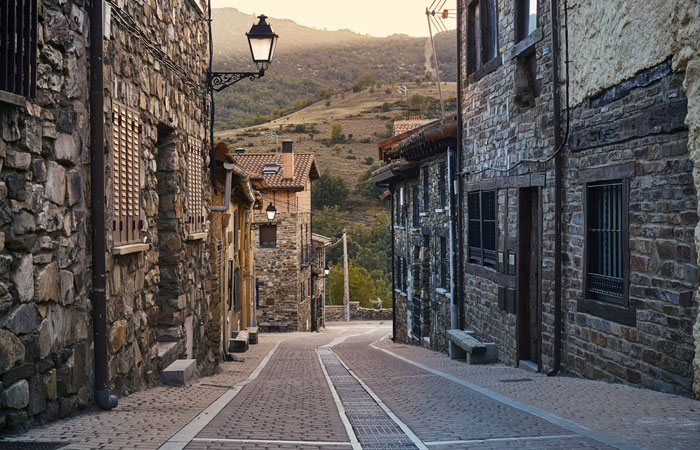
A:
(351, 387)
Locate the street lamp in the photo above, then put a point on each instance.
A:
(271, 212)
(326, 270)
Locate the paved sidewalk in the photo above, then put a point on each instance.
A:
(641, 417)
(147, 419)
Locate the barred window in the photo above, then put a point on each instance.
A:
(605, 241)
(414, 207)
(482, 227)
(268, 236)
(195, 187)
(126, 164)
(18, 47)
(426, 189)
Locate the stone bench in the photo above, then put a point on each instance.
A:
(180, 373)
(239, 343)
(273, 327)
(252, 335)
(466, 346)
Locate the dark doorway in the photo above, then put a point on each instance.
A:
(528, 311)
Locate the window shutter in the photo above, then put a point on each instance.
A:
(195, 186)
(126, 163)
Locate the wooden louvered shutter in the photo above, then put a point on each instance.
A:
(195, 187)
(126, 160)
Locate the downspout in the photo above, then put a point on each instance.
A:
(458, 296)
(393, 260)
(97, 206)
(558, 174)
(253, 283)
(227, 193)
(454, 316)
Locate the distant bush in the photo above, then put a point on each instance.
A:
(388, 91)
(351, 157)
(366, 140)
(336, 149)
(337, 133)
(386, 106)
(368, 161)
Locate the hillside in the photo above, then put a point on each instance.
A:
(308, 60)
(366, 118)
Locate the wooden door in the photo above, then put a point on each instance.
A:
(528, 275)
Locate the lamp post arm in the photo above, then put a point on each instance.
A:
(218, 81)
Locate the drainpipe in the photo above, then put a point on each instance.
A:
(393, 260)
(458, 296)
(251, 236)
(558, 174)
(454, 316)
(227, 194)
(97, 206)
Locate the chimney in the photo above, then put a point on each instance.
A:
(287, 159)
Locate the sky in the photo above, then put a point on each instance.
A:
(374, 17)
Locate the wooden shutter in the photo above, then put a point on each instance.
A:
(18, 46)
(126, 165)
(195, 187)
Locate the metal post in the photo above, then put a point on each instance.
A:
(346, 297)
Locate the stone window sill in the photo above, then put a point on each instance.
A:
(414, 229)
(12, 99)
(610, 311)
(486, 69)
(527, 45)
(441, 210)
(120, 250)
(197, 236)
(423, 214)
(443, 292)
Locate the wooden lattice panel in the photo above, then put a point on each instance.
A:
(195, 186)
(126, 164)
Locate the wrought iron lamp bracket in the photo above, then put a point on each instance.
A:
(218, 81)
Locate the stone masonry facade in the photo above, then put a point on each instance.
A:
(157, 290)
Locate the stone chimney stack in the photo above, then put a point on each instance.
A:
(287, 159)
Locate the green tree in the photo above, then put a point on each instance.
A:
(363, 287)
(329, 190)
(365, 186)
(337, 133)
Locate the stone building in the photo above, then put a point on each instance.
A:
(143, 137)
(283, 253)
(232, 251)
(318, 281)
(417, 175)
(576, 208)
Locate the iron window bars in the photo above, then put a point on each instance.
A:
(442, 185)
(482, 227)
(426, 189)
(604, 240)
(18, 47)
(415, 207)
(126, 165)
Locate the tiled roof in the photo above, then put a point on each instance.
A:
(304, 168)
(402, 126)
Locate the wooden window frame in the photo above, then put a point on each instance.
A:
(126, 175)
(477, 31)
(481, 260)
(442, 185)
(268, 243)
(195, 186)
(19, 47)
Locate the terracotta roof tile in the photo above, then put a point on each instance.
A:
(305, 167)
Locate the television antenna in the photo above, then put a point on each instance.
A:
(436, 14)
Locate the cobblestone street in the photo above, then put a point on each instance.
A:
(350, 387)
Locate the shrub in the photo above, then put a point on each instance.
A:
(337, 133)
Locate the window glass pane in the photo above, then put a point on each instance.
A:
(474, 226)
(489, 31)
(488, 226)
(531, 21)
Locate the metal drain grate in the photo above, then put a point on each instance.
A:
(516, 380)
(19, 445)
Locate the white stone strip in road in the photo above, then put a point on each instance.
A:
(183, 437)
(515, 439)
(405, 428)
(263, 441)
(556, 420)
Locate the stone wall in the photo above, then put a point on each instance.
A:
(45, 273)
(336, 313)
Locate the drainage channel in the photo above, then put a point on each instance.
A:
(373, 427)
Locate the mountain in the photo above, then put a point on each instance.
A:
(310, 64)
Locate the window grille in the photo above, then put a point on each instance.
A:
(268, 236)
(605, 241)
(482, 227)
(18, 47)
(426, 189)
(442, 185)
(482, 37)
(195, 186)
(126, 164)
(414, 206)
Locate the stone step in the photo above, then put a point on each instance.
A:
(180, 373)
(273, 327)
(239, 343)
(252, 335)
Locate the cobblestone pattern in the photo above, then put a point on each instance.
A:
(290, 400)
(643, 417)
(202, 445)
(147, 419)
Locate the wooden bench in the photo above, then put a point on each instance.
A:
(465, 346)
(238, 343)
(252, 335)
